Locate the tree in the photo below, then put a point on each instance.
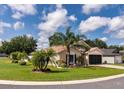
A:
(6, 47)
(99, 43)
(19, 43)
(50, 53)
(96, 43)
(38, 60)
(41, 59)
(68, 39)
(90, 42)
(1, 49)
(117, 47)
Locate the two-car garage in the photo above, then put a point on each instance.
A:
(95, 59)
(99, 56)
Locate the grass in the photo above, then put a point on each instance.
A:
(11, 71)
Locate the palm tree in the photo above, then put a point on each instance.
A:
(38, 60)
(68, 39)
(41, 59)
(49, 54)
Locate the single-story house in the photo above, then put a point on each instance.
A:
(121, 52)
(3, 55)
(93, 56)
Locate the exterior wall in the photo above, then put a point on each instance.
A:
(56, 57)
(109, 59)
(62, 55)
(118, 59)
(73, 52)
(95, 53)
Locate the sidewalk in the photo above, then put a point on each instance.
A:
(59, 82)
(110, 66)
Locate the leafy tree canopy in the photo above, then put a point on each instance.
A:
(19, 43)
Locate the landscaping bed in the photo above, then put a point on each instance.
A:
(12, 71)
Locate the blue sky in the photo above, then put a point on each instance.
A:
(105, 22)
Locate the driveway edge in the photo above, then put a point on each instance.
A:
(8, 82)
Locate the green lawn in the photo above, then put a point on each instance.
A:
(11, 71)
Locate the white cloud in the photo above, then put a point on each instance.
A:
(4, 25)
(1, 41)
(29, 35)
(114, 26)
(93, 23)
(92, 8)
(20, 10)
(116, 23)
(121, 44)
(52, 22)
(104, 39)
(17, 15)
(18, 25)
(72, 18)
(119, 34)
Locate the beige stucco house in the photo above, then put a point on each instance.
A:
(93, 55)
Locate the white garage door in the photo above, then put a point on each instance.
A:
(108, 60)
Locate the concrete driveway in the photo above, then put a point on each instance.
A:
(110, 66)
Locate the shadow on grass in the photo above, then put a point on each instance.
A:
(88, 67)
(56, 71)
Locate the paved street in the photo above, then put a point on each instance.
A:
(117, 83)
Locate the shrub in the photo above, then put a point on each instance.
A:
(14, 57)
(22, 62)
(61, 63)
(18, 57)
(22, 55)
(80, 60)
(14, 61)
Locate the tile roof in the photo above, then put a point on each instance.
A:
(58, 48)
(109, 52)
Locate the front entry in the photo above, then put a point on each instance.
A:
(95, 59)
(71, 58)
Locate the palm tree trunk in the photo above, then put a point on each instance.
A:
(85, 61)
(68, 55)
(47, 61)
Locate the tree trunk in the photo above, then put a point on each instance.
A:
(84, 60)
(47, 61)
(68, 55)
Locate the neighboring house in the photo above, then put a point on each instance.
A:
(3, 55)
(121, 52)
(93, 56)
